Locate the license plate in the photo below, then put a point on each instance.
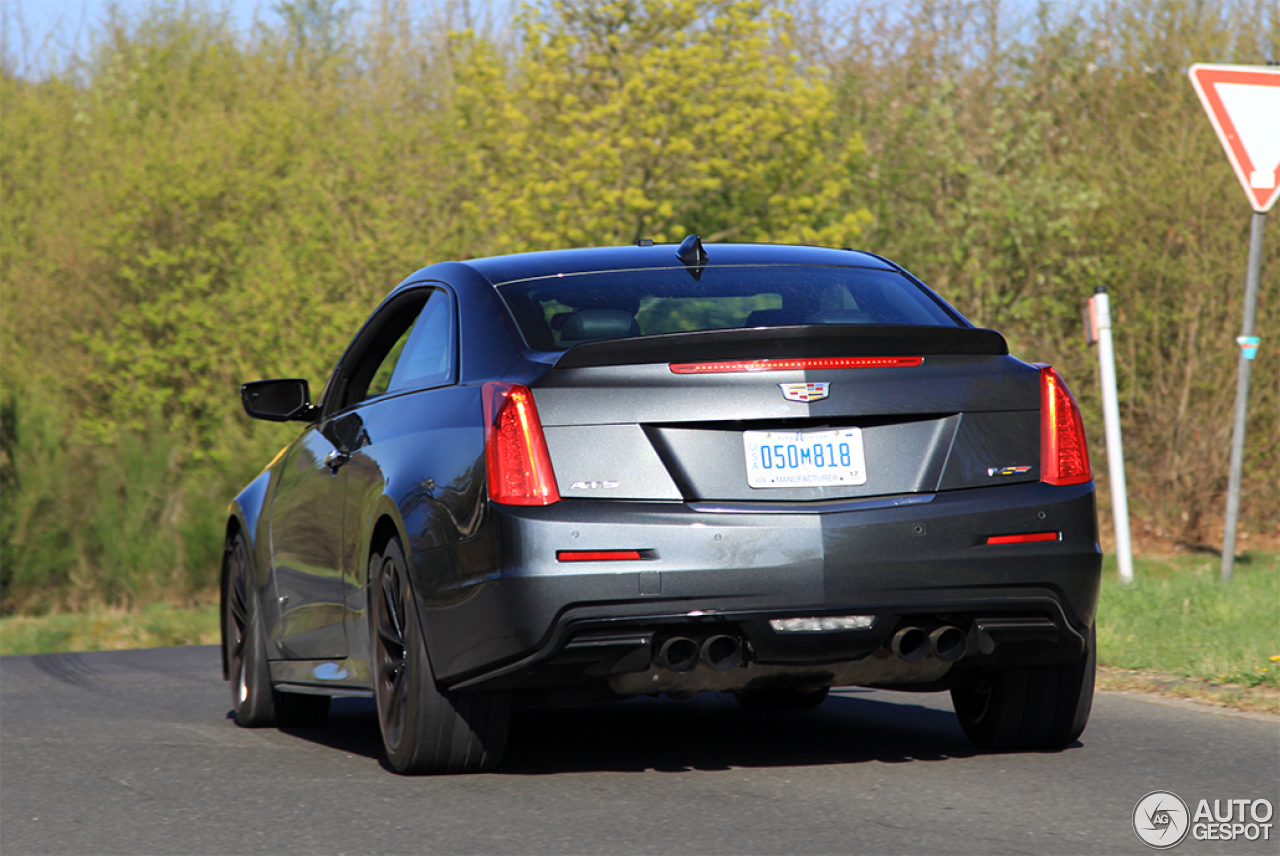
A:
(804, 458)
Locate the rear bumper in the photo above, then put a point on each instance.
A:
(723, 568)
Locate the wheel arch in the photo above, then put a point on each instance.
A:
(385, 528)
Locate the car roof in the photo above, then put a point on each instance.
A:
(500, 270)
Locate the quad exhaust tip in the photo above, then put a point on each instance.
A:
(679, 654)
(949, 643)
(912, 644)
(722, 653)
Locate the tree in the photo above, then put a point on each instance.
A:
(653, 118)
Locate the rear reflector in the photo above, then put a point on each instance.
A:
(797, 364)
(516, 457)
(1030, 538)
(597, 555)
(1064, 452)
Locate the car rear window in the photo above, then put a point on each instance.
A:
(558, 312)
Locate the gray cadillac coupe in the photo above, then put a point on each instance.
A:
(583, 475)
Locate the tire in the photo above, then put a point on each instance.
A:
(243, 643)
(244, 647)
(782, 698)
(1029, 708)
(425, 728)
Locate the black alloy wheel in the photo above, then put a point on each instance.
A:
(243, 647)
(256, 703)
(1029, 708)
(425, 728)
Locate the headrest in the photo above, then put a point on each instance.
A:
(587, 324)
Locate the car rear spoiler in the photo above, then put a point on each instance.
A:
(810, 340)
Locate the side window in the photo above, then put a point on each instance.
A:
(409, 344)
(427, 357)
(422, 355)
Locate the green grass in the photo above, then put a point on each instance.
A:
(1179, 618)
(154, 626)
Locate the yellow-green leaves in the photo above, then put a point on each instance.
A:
(654, 118)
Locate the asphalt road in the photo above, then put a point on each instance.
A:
(136, 752)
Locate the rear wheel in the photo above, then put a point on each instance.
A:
(425, 728)
(244, 646)
(782, 698)
(1027, 708)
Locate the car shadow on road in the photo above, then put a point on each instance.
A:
(708, 732)
(711, 732)
(352, 727)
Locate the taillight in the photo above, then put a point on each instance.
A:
(515, 449)
(1064, 452)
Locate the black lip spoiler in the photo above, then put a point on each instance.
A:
(814, 340)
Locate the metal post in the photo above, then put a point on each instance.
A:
(1111, 420)
(1242, 393)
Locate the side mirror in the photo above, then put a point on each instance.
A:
(278, 400)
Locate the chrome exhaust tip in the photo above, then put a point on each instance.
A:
(949, 643)
(679, 654)
(722, 653)
(911, 644)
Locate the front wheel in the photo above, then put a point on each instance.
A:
(244, 649)
(425, 728)
(1027, 708)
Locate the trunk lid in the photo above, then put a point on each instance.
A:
(621, 424)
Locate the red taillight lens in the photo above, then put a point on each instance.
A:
(515, 450)
(1029, 538)
(1064, 452)
(598, 555)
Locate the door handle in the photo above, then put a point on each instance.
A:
(335, 459)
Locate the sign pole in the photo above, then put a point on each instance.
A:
(1099, 320)
(1248, 348)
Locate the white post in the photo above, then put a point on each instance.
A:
(1111, 418)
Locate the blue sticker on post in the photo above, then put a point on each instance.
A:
(1249, 345)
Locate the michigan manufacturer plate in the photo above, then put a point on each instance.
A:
(804, 458)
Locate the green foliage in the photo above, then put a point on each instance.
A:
(1016, 169)
(185, 207)
(1179, 618)
(654, 118)
(117, 522)
(154, 626)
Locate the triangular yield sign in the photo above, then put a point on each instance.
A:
(1243, 102)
